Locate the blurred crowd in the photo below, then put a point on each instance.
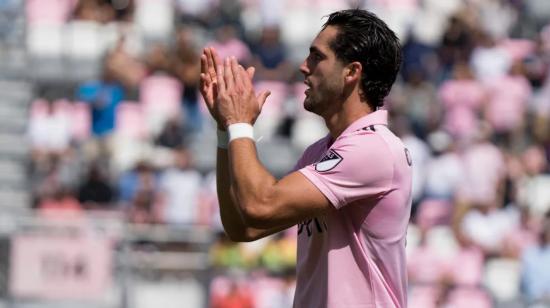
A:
(472, 104)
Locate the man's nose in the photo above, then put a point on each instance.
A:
(304, 69)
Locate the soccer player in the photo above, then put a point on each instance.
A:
(351, 192)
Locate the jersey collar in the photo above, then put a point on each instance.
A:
(379, 117)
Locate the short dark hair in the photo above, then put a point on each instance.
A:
(365, 38)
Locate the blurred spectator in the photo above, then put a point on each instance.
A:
(522, 236)
(104, 11)
(420, 155)
(46, 179)
(417, 98)
(183, 62)
(507, 103)
(486, 225)
(227, 44)
(144, 208)
(456, 45)
(483, 170)
(535, 272)
(94, 10)
(236, 297)
(462, 97)
(279, 254)
(62, 200)
(269, 56)
(179, 187)
(96, 191)
(227, 254)
(532, 186)
(172, 135)
(187, 70)
(141, 177)
(489, 60)
(103, 96)
(444, 172)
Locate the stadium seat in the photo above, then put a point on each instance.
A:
(48, 12)
(502, 278)
(79, 116)
(298, 29)
(518, 49)
(443, 240)
(272, 112)
(45, 41)
(422, 297)
(470, 271)
(84, 40)
(155, 18)
(81, 121)
(160, 97)
(469, 298)
(129, 121)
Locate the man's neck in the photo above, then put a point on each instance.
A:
(350, 112)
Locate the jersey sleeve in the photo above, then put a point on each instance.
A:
(358, 167)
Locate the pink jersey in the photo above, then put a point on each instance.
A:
(355, 255)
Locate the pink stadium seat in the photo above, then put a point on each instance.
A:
(160, 97)
(39, 107)
(79, 115)
(469, 298)
(161, 93)
(129, 120)
(425, 265)
(275, 101)
(81, 121)
(518, 48)
(273, 111)
(423, 297)
(468, 267)
(53, 12)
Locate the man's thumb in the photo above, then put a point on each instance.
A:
(263, 97)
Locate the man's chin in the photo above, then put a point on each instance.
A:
(308, 105)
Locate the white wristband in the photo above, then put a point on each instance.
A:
(240, 130)
(223, 139)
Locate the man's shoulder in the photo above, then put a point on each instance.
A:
(317, 145)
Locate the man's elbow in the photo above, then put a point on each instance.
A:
(256, 215)
(241, 236)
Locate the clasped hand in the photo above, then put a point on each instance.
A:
(228, 91)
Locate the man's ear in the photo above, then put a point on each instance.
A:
(353, 72)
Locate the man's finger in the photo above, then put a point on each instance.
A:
(251, 70)
(236, 72)
(204, 64)
(205, 83)
(245, 76)
(212, 62)
(219, 77)
(228, 75)
(262, 98)
(215, 57)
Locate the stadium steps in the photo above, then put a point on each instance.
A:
(15, 97)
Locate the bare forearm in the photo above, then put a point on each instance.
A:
(251, 182)
(230, 215)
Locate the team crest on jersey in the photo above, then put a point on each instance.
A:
(329, 161)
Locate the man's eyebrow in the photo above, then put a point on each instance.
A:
(313, 49)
